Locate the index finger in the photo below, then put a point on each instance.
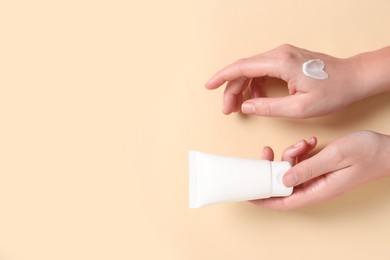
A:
(256, 66)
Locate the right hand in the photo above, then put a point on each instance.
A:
(308, 97)
(344, 164)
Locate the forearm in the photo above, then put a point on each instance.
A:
(373, 72)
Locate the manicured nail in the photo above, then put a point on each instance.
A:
(248, 108)
(290, 179)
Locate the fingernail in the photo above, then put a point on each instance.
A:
(248, 108)
(299, 144)
(290, 179)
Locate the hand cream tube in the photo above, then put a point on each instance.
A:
(215, 179)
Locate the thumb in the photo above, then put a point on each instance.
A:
(321, 163)
(289, 106)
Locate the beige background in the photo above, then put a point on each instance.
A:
(101, 100)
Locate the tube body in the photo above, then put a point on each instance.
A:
(215, 179)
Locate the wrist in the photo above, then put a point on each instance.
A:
(371, 72)
(353, 78)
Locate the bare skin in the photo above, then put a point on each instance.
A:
(345, 163)
(341, 166)
(350, 80)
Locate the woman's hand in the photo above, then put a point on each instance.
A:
(308, 97)
(341, 166)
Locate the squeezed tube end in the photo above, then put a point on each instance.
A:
(278, 187)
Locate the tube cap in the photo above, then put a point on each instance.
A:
(278, 170)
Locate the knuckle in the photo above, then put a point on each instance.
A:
(287, 56)
(301, 109)
(241, 63)
(286, 46)
(264, 108)
(333, 151)
(287, 53)
(368, 135)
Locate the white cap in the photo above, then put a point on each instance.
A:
(278, 169)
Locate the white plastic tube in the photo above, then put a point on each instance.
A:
(215, 179)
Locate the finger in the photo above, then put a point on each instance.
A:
(256, 66)
(321, 163)
(240, 96)
(288, 106)
(232, 94)
(321, 189)
(299, 198)
(268, 154)
(312, 143)
(239, 100)
(254, 87)
(291, 153)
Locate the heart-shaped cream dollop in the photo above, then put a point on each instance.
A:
(315, 69)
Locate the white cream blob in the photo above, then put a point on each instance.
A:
(314, 69)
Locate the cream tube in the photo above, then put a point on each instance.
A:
(215, 179)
